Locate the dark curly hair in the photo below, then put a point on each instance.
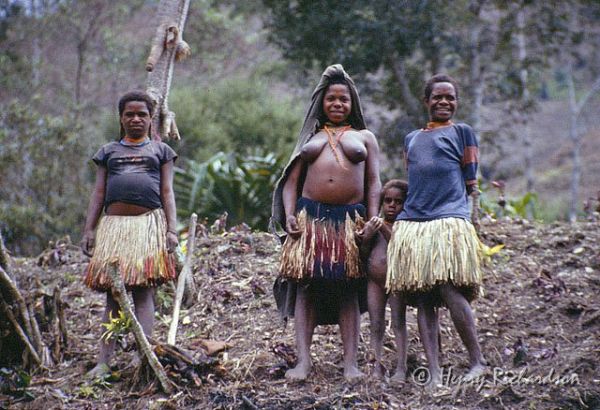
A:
(439, 78)
(141, 96)
(398, 184)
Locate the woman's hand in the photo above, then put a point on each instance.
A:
(292, 228)
(88, 242)
(172, 241)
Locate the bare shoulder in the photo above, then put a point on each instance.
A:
(368, 137)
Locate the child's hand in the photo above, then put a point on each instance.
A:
(371, 227)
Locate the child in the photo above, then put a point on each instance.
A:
(375, 236)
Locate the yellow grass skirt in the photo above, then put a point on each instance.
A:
(139, 244)
(422, 255)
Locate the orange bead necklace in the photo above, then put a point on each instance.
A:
(334, 135)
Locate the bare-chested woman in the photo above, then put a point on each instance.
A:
(329, 186)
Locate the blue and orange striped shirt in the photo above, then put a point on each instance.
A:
(442, 170)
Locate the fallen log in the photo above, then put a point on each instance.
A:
(120, 295)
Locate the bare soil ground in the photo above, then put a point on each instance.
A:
(539, 325)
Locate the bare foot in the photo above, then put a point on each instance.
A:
(474, 372)
(100, 371)
(399, 376)
(378, 370)
(352, 374)
(436, 380)
(299, 373)
(435, 385)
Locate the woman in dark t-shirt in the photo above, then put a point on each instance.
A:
(134, 186)
(434, 253)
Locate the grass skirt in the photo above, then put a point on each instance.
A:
(327, 248)
(422, 255)
(139, 244)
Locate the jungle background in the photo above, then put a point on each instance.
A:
(529, 73)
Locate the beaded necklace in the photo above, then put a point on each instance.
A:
(127, 143)
(434, 124)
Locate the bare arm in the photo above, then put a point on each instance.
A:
(367, 236)
(373, 183)
(290, 196)
(94, 211)
(386, 231)
(167, 197)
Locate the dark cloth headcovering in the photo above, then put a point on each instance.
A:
(312, 125)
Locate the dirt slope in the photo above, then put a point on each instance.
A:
(539, 325)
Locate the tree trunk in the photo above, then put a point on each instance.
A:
(575, 152)
(171, 19)
(412, 104)
(120, 295)
(575, 134)
(524, 103)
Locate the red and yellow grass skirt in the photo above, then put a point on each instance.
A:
(327, 247)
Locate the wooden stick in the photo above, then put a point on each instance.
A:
(475, 211)
(120, 295)
(181, 280)
(62, 323)
(60, 331)
(36, 335)
(11, 317)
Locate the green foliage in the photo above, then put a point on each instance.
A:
(44, 176)
(236, 115)
(239, 184)
(14, 382)
(87, 392)
(517, 207)
(116, 326)
(320, 33)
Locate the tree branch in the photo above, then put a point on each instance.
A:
(592, 90)
(120, 294)
(187, 267)
(410, 101)
(19, 330)
(7, 283)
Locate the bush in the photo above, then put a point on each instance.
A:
(241, 185)
(44, 177)
(235, 115)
